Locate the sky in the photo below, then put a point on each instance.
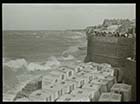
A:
(61, 16)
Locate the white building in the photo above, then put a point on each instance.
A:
(90, 93)
(58, 89)
(82, 92)
(78, 80)
(80, 98)
(42, 96)
(68, 86)
(65, 98)
(101, 82)
(110, 97)
(60, 74)
(123, 89)
(83, 76)
(69, 71)
(111, 81)
(95, 89)
(84, 82)
(89, 76)
(49, 79)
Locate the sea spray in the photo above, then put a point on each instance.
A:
(16, 64)
(34, 66)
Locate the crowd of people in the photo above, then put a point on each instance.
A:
(111, 34)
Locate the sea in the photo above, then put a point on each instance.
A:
(37, 46)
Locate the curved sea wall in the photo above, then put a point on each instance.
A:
(112, 50)
(111, 45)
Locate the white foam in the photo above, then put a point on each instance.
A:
(69, 57)
(34, 66)
(52, 62)
(16, 64)
(71, 50)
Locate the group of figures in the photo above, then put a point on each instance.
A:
(92, 32)
(110, 34)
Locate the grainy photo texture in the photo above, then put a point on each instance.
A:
(69, 52)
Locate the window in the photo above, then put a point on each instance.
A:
(116, 91)
(62, 77)
(83, 83)
(91, 85)
(63, 68)
(63, 82)
(80, 92)
(59, 93)
(83, 66)
(67, 99)
(50, 98)
(72, 86)
(70, 73)
(82, 73)
(78, 69)
(90, 78)
(56, 80)
(47, 99)
(38, 94)
(90, 97)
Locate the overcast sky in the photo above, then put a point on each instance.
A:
(61, 16)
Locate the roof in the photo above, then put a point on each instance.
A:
(99, 81)
(40, 95)
(55, 87)
(121, 87)
(66, 82)
(81, 91)
(92, 86)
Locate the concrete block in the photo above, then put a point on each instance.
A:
(110, 97)
(123, 89)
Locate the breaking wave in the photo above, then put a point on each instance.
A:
(16, 64)
(72, 53)
(70, 50)
(77, 35)
(69, 57)
(32, 66)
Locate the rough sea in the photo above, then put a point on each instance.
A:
(36, 46)
(24, 52)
